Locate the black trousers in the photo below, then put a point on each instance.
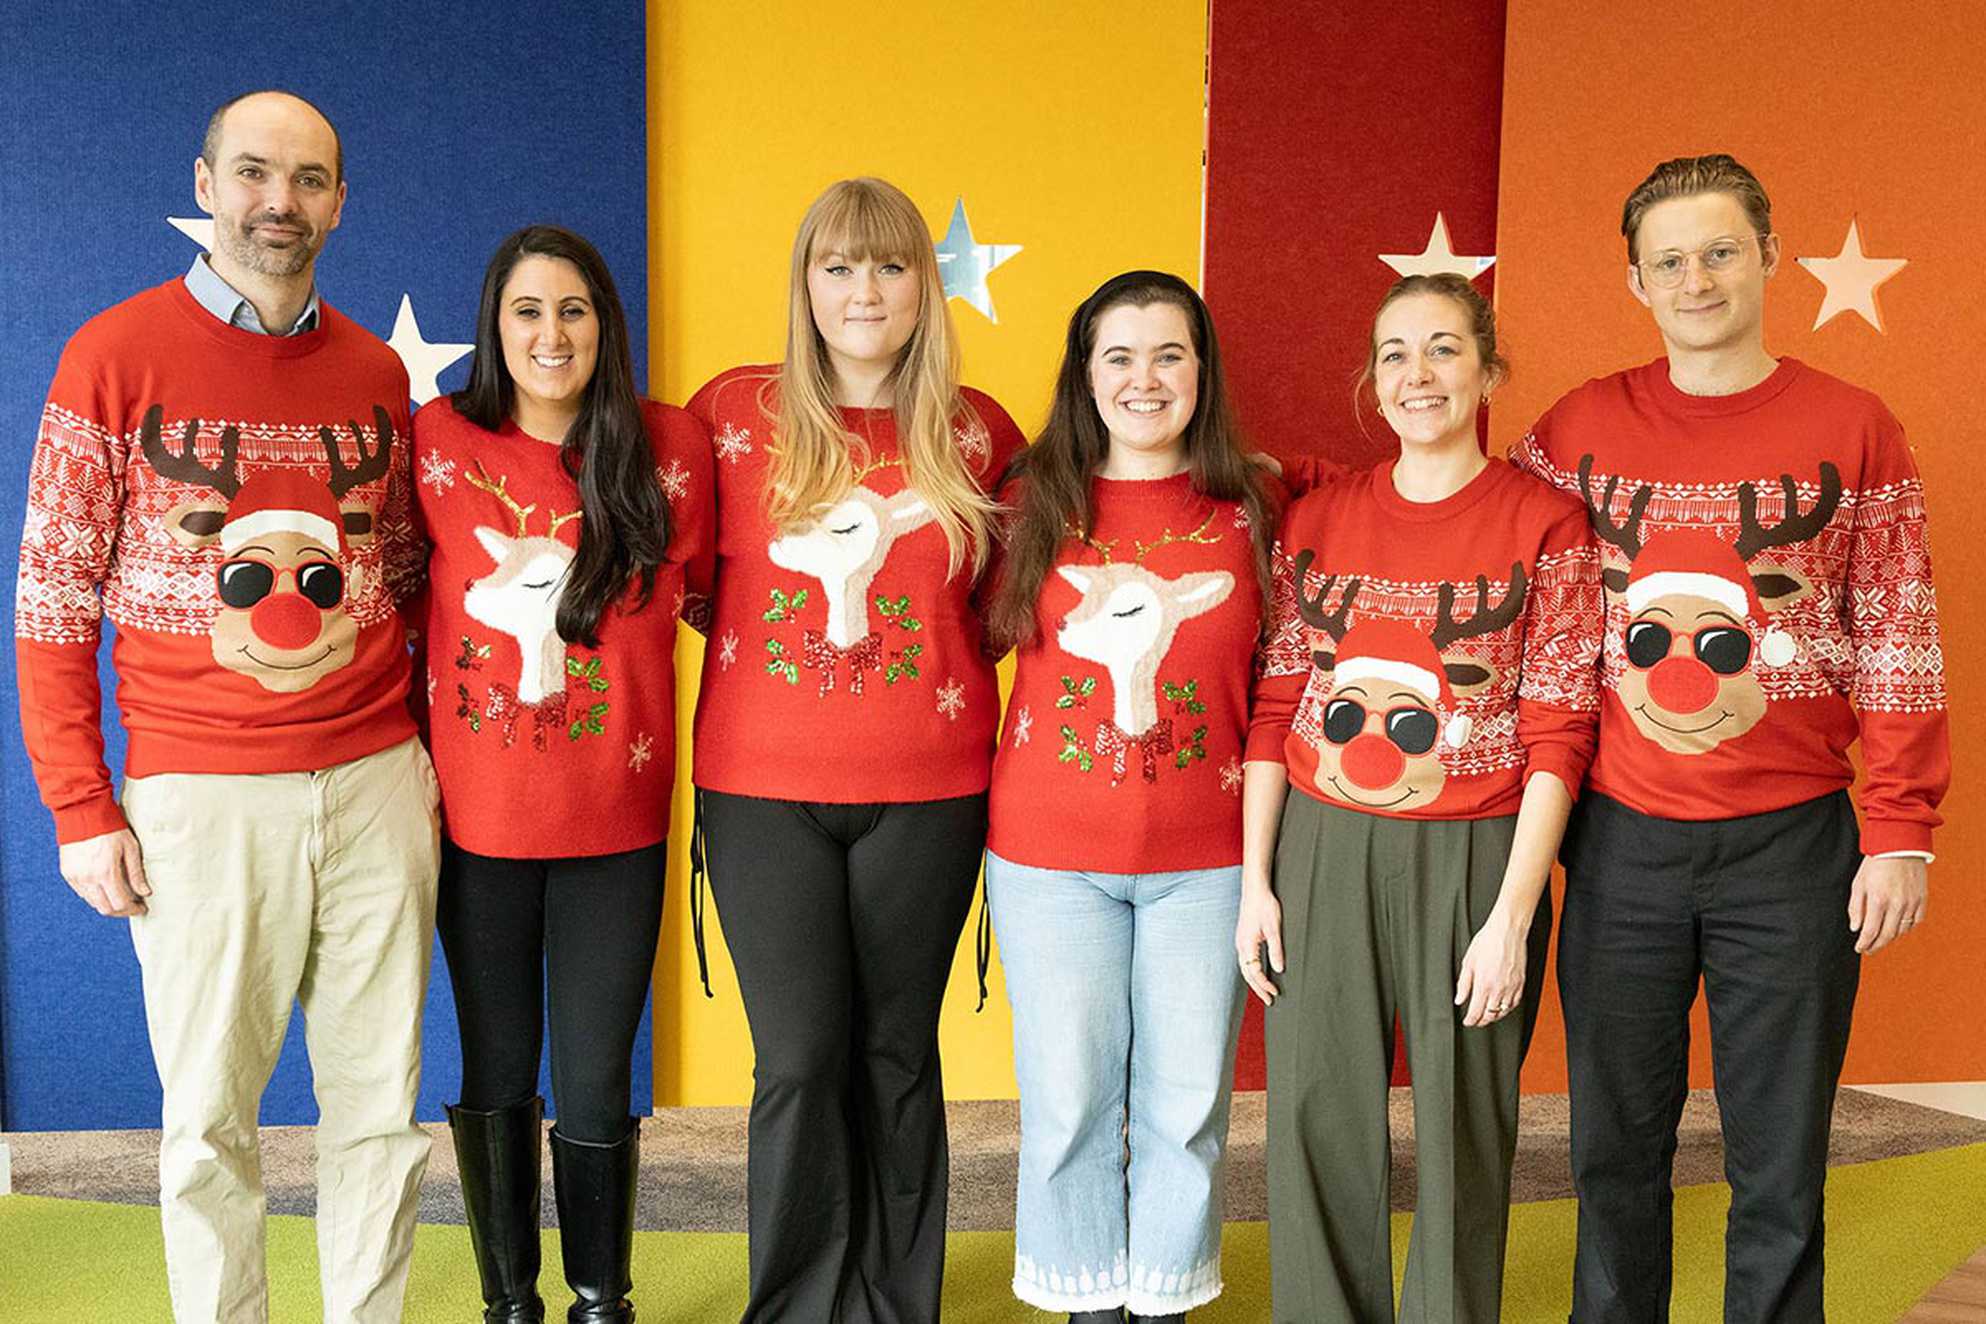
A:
(1757, 908)
(842, 921)
(589, 924)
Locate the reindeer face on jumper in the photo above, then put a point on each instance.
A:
(284, 535)
(1126, 622)
(519, 597)
(1394, 694)
(845, 548)
(1698, 627)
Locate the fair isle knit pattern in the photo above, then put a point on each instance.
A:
(1796, 501)
(240, 507)
(74, 518)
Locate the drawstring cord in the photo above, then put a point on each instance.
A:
(698, 872)
(984, 944)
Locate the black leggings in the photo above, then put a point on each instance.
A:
(842, 921)
(590, 923)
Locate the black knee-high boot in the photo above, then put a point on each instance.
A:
(497, 1155)
(595, 1185)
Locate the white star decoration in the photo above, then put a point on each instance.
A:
(424, 361)
(200, 229)
(1437, 257)
(1851, 280)
(964, 263)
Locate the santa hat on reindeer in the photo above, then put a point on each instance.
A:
(1696, 563)
(1400, 655)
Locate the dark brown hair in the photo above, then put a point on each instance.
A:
(1055, 472)
(624, 534)
(1687, 176)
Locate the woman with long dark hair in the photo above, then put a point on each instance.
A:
(1133, 585)
(568, 519)
(844, 736)
(1425, 713)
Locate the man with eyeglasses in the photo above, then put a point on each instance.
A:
(222, 469)
(1768, 601)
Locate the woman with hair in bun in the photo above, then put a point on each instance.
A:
(844, 738)
(1425, 714)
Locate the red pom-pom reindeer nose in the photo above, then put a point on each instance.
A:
(285, 620)
(1682, 684)
(1373, 762)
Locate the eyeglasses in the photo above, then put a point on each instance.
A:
(1665, 270)
(245, 581)
(1412, 730)
(1725, 649)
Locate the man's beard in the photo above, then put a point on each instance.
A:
(241, 247)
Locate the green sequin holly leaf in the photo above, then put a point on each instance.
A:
(472, 655)
(467, 710)
(1194, 748)
(1075, 695)
(784, 605)
(588, 671)
(1073, 751)
(591, 723)
(905, 664)
(779, 664)
(897, 611)
(1186, 696)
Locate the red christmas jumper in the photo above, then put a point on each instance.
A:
(307, 668)
(846, 662)
(1124, 732)
(1791, 513)
(583, 736)
(1442, 651)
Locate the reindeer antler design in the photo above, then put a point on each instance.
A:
(1626, 534)
(1485, 620)
(184, 464)
(1754, 537)
(1169, 537)
(372, 463)
(1312, 608)
(497, 488)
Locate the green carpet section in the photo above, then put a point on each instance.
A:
(1895, 1227)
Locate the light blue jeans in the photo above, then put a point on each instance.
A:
(1126, 1004)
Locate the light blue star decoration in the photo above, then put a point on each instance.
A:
(964, 263)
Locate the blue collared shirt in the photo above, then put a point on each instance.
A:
(226, 302)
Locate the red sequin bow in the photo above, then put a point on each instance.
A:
(1111, 740)
(865, 654)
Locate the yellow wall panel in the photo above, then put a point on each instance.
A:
(1075, 132)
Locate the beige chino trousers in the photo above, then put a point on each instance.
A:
(268, 890)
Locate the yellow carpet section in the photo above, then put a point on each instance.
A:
(1895, 1227)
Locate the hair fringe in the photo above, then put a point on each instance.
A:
(815, 458)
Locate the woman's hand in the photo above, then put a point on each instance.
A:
(1491, 984)
(1260, 926)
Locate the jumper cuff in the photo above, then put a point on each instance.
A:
(92, 818)
(1880, 837)
(1569, 768)
(1266, 744)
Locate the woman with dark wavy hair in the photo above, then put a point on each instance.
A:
(568, 519)
(1133, 587)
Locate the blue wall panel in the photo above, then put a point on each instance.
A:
(460, 122)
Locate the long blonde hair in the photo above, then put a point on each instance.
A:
(815, 459)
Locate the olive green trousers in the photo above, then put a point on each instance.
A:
(1377, 915)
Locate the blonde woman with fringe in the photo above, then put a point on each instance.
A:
(844, 739)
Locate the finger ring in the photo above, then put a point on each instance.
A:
(1252, 960)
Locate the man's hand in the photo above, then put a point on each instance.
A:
(107, 871)
(1887, 900)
